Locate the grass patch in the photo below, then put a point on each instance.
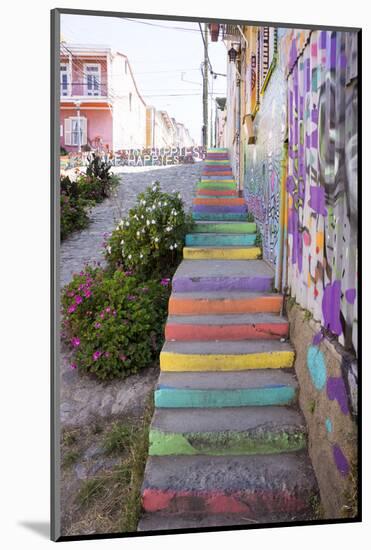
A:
(70, 458)
(119, 438)
(110, 501)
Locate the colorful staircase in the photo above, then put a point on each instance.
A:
(227, 442)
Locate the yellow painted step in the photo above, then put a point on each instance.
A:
(178, 362)
(226, 253)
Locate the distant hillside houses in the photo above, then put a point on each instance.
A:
(101, 107)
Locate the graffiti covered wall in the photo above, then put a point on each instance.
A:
(322, 177)
(265, 162)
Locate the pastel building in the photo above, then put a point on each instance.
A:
(100, 104)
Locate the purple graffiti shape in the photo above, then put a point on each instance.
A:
(331, 307)
(317, 199)
(340, 460)
(336, 390)
(317, 338)
(350, 295)
(290, 184)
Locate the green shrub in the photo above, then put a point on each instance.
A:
(74, 215)
(151, 239)
(113, 322)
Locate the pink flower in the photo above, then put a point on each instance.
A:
(144, 289)
(96, 355)
(165, 282)
(101, 315)
(108, 309)
(123, 357)
(75, 342)
(71, 309)
(131, 298)
(106, 354)
(87, 293)
(73, 366)
(130, 272)
(97, 325)
(78, 299)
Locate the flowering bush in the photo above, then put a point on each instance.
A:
(113, 322)
(74, 214)
(150, 240)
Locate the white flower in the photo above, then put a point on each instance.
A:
(156, 240)
(122, 242)
(141, 255)
(127, 224)
(179, 195)
(165, 203)
(168, 229)
(175, 213)
(130, 256)
(171, 247)
(138, 233)
(121, 223)
(109, 249)
(175, 245)
(143, 230)
(142, 217)
(117, 228)
(148, 222)
(159, 204)
(153, 222)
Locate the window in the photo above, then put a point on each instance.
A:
(75, 131)
(64, 79)
(92, 79)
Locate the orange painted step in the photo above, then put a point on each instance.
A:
(220, 201)
(215, 303)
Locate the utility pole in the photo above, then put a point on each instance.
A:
(205, 90)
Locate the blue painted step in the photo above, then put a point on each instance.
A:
(220, 239)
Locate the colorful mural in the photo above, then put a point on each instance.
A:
(322, 177)
(265, 163)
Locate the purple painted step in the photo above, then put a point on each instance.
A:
(219, 209)
(222, 275)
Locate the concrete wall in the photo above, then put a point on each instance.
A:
(328, 398)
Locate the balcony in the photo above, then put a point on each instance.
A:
(83, 89)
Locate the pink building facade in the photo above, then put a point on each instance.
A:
(100, 105)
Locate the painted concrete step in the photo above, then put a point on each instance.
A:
(225, 253)
(255, 326)
(250, 388)
(220, 239)
(253, 485)
(215, 162)
(227, 431)
(220, 201)
(218, 180)
(217, 150)
(193, 521)
(222, 209)
(217, 216)
(216, 193)
(223, 303)
(216, 275)
(227, 227)
(225, 355)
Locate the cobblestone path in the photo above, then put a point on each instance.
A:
(85, 246)
(81, 397)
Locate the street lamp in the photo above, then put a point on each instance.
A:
(232, 55)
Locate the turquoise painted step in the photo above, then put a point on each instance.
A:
(210, 239)
(220, 227)
(215, 216)
(184, 398)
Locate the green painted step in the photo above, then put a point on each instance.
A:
(227, 431)
(219, 239)
(227, 227)
(216, 184)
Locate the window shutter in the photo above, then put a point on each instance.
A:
(67, 131)
(84, 132)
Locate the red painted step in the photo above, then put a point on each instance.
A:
(227, 327)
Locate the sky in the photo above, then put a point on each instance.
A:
(165, 57)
